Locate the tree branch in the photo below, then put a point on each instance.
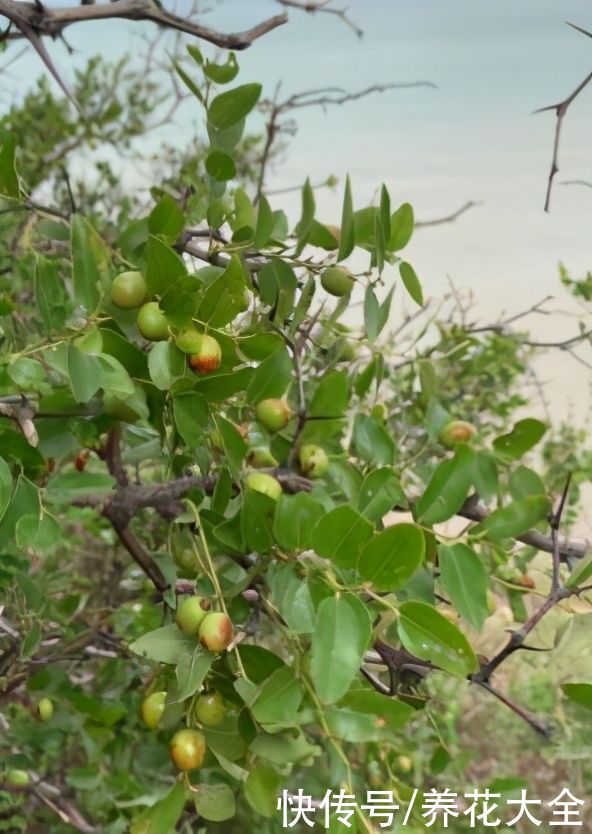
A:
(322, 6)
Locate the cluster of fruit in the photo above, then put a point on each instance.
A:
(214, 631)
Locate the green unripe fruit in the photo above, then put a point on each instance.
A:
(114, 406)
(189, 341)
(216, 632)
(210, 710)
(187, 563)
(261, 458)
(152, 322)
(152, 708)
(207, 357)
(379, 412)
(188, 749)
(18, 778)
(313, 460)
(337, 280)
(457, 431)
(128, 289)
(273, 414)
(191, 613)
(45, 709)
(262, 482)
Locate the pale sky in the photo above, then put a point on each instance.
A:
(474, 137)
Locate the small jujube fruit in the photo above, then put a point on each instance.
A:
(45, 709)
(379, 412)
(337, 280)
(261, 458)
(128, 289)
(457, 431)
(216, 632)
(18, 778)
(189, 340)
(262, 482)
(81, 460)
(152, 322)
(207, 357)
(191, 613)
(152, 708)
(274, 414)
(313, 460)
(188, 749)
(209, 709)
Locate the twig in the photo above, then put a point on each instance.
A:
(322, 6)
(541, 729)
(450, 218)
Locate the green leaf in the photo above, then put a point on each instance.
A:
(264, 227)
(163, 266)
(66, 487)
(278, 698)
(379, 493)
(230, 107)
(224, 298)
(166, 364)
(465, 582)
(331, 397)
(430, 636)
(485, 478)
(581, 573)
(341, 636)
(411, 282)
(360, 698)
(295, 519)
(5, 486)
(85, 270)
(391, 558)
(31, 642)
(524, 435)
(525, 482)
(27, 374)
(188, 81)
(191, 671)
(234, 445)
(164, 645)
(166, 219)
(39, 534)
(271, 378)
(261, 790)
(222, 73)
(50, 294)
(371, 441)
(307, 216)
(215, 802)
(448, 488)
(402, 223)
(256, 517)
(291, 596)
(9, 185)
(191, 415)
(220, 166)
(277, 287)
(85, 374)
(347, 236)
(162, 817)
(518, 517)
(340, 536)
(579, 693)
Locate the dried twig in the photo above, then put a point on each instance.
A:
(322, 6)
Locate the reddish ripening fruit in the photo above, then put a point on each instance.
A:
(152, 708)
(207, 357)
(216, 632)
(128, 289)
(209, 709)
(45, 709)
(273, 414)
(337, 280)
(188, 749)
(191, 613)
(526, 581)
(262, 482)
(81, 460)
(152, 322)
(457, 431)
(313, 460)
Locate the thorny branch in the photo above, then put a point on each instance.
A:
(322, 6)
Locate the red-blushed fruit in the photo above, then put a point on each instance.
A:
(191, 613)
(526, 581)
(262, 482)
(128, 289)
(152, 708)
(313, 460)
(208, 357)
(457, 431)
(273, 414)
(209, 709)
(189, 340)
(216, 632)
(18, 778)
(188, 749)
(81, 460)
(337, 281)
(152, 322)
(45, 709)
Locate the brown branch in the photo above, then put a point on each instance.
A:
(539, 728)
(560, 110)
(449, 218)
(322, 6)
(52, 22)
